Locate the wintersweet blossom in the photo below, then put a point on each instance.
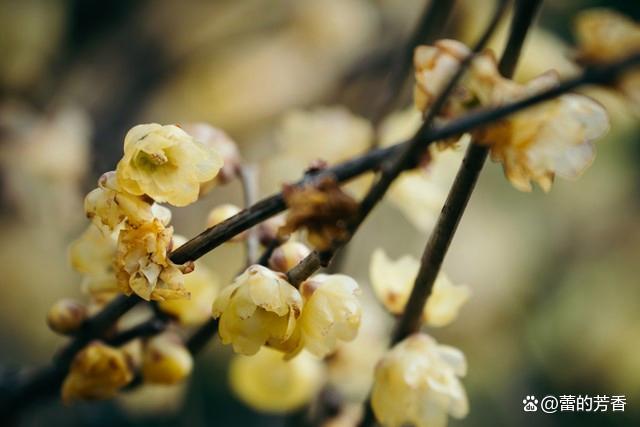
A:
(269, 383)
(92, 254)
(203, 287)
(109, 205)
(166, 360)
(259, 307)
(166, 163)
(553, 138)
(331, 313)
(93, 251)
(417, 382)
(142, 266)
(605, 35)
(392, 282)
(97, 372)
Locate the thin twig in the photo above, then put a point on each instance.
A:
(249, 179)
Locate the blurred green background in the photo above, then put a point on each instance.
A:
(555, 278)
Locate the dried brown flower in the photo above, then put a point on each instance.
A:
(323, 209)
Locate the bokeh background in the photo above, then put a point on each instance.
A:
(555, 277)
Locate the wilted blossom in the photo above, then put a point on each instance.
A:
(143, 267)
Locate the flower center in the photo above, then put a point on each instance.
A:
(150, 161)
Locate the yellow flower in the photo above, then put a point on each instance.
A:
(267, 382)
(259, 307)
(92, 254)
(97, 372)
(554, 138)
(331, 313)
(166, 163)
(108, 205)
(417, 383)
(202, 286)
(166, 360)
(142, 266)
(288, 255)
(605, 35)
(93, 251)
(392, 282)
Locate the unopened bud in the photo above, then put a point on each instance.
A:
(287, 256)
(66, 316)
(220, 214)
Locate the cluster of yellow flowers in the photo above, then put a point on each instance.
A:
(126, 248)
(285, 330)
(261, 308)
(553, 138)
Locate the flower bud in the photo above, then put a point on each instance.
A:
(221, 213)
(268, 230)
(66, 316)
(166, 360)
(287, 256)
